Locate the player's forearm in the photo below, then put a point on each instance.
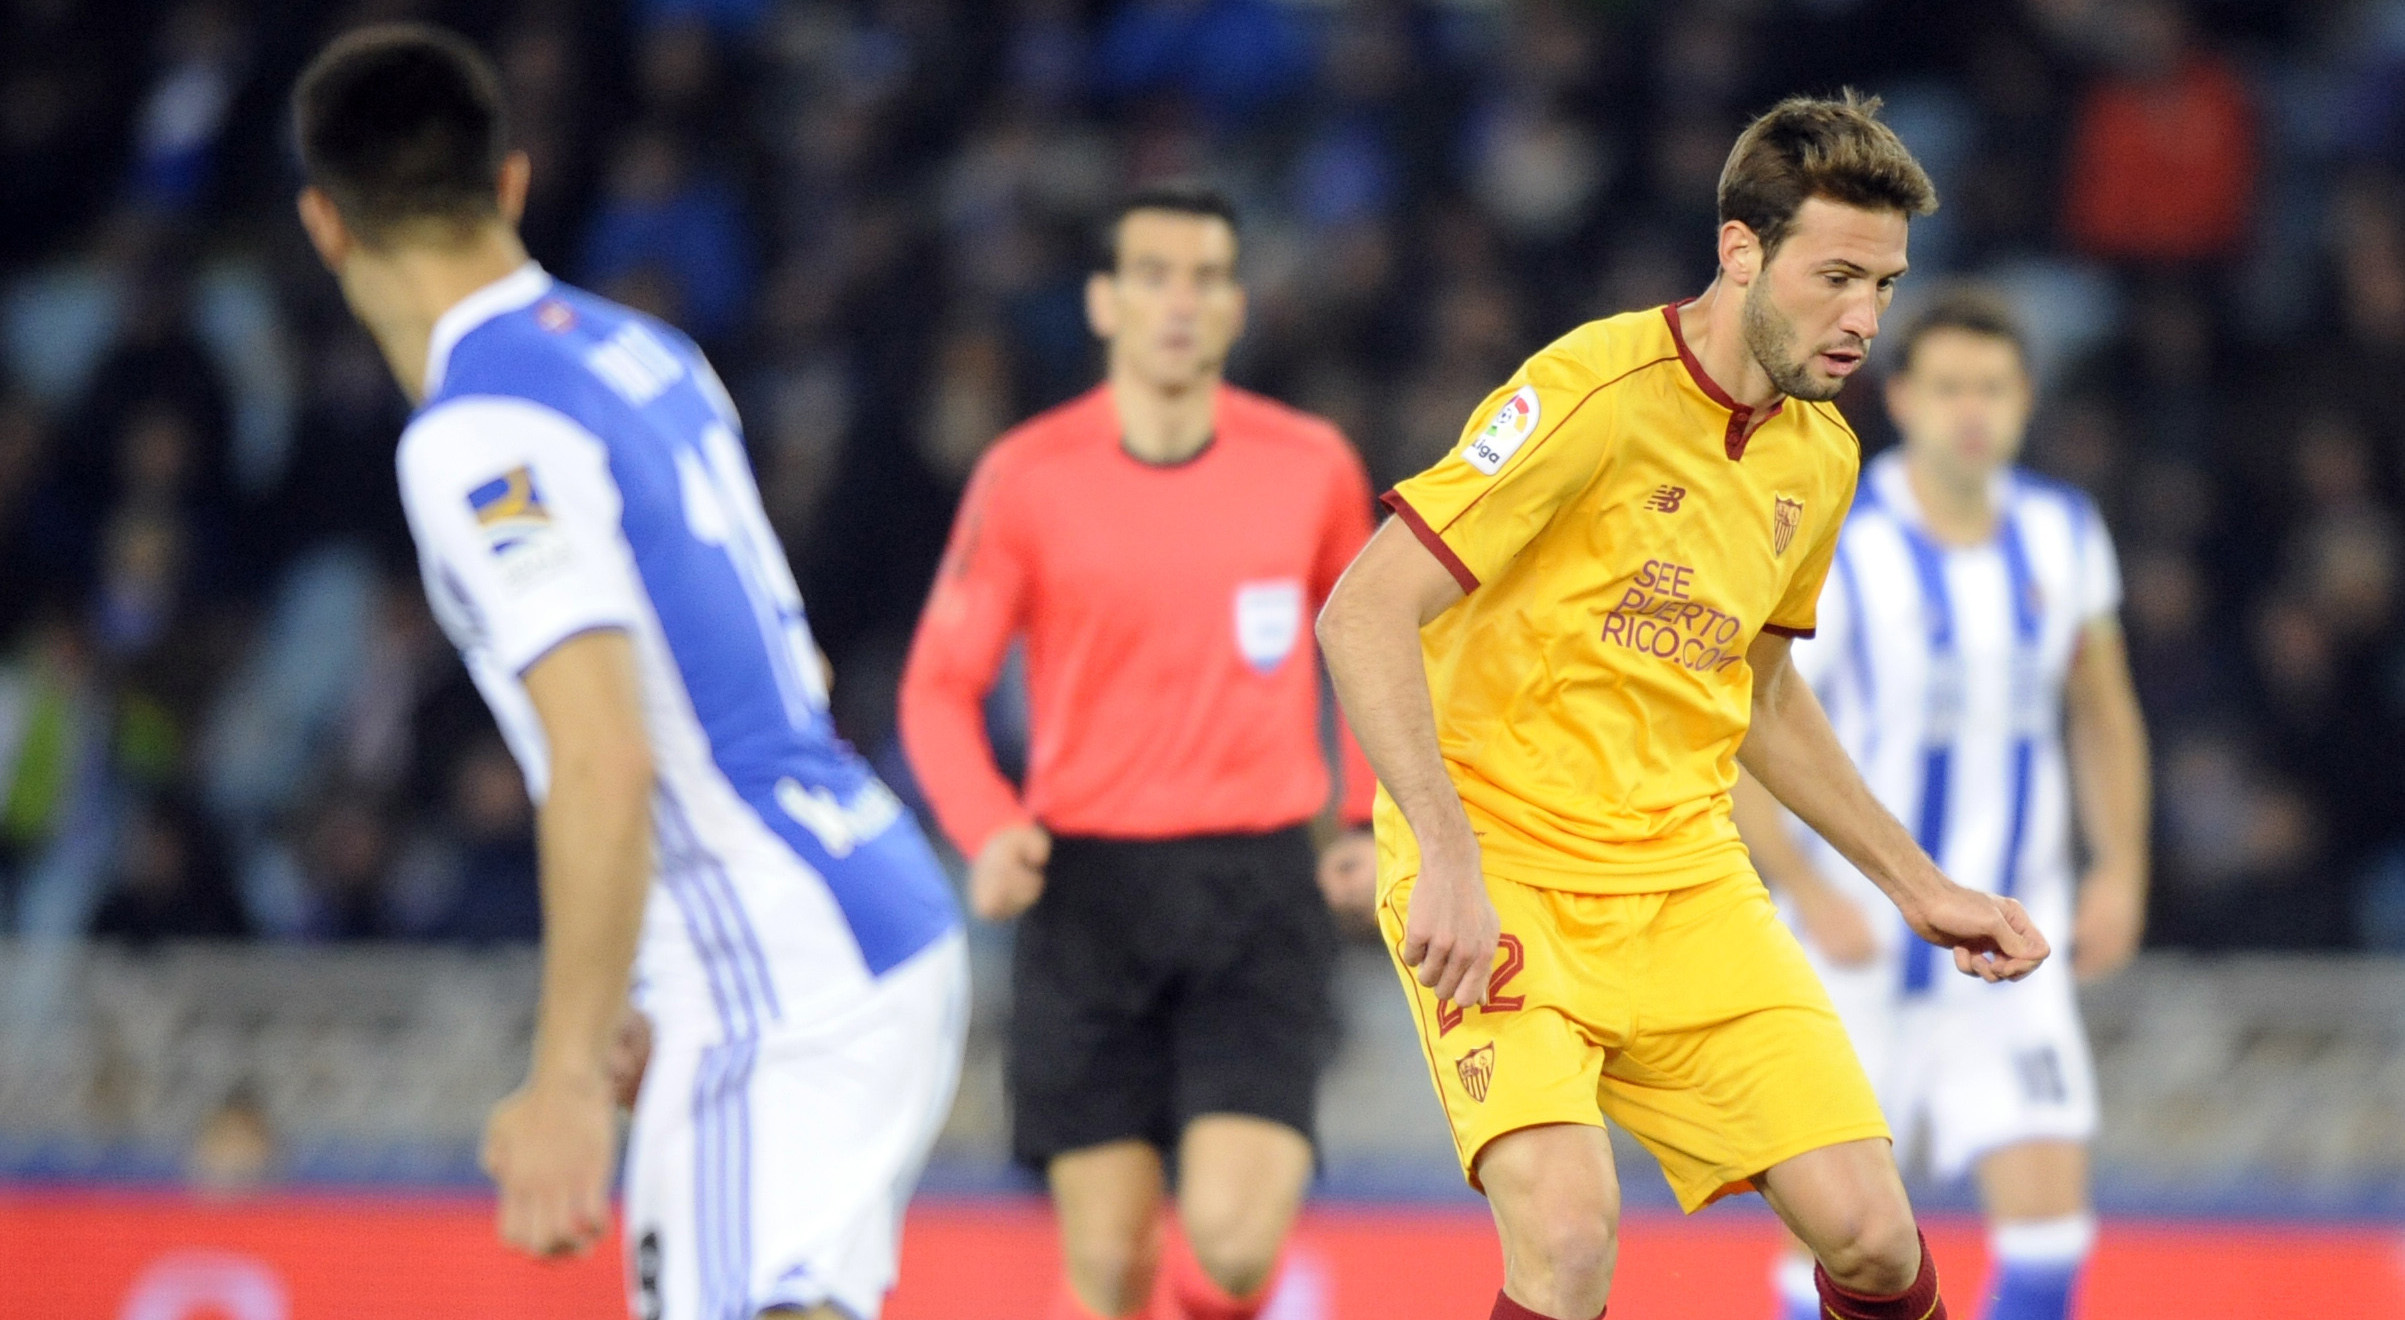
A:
(1359, 782)
(2110, 765)
(595, 835)
(1371, 641)
(1793, 752)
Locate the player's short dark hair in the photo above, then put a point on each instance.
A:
(1181, 196)
(401, 124)
(1828, 147)
(1965, 310)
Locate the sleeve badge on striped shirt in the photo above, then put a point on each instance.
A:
(1785, 516)
(509, 509)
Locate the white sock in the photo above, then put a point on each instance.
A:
(2037, 1266)
(2044, 1244)
(1798, 1294)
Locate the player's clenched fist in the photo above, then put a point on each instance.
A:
(1992, 937)
(1450, 928)
(549, 1147)
(1008, 875)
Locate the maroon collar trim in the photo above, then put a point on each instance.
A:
(1741, 416)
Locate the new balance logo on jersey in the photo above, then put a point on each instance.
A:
(1666, 499)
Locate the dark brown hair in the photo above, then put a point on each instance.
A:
(1969, 310)
(400, 124)
(1178, 196)
(1806, 147)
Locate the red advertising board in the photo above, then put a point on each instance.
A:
(129, 1256)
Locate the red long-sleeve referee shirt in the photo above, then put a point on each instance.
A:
(1172, 679)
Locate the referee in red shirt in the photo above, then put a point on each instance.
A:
(1161, 543)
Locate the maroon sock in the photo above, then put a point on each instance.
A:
(1507, 1309)
(1918, 1302)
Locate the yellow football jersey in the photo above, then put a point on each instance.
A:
(1622, 540)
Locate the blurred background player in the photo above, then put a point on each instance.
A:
(1970, 656)
(1555, 654)
(1160, 543)
(592, 541)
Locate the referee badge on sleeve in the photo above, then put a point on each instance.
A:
(1269, 621)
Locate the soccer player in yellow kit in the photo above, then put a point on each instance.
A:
(1556, 654)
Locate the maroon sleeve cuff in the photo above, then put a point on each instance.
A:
(1782, 630)
(1394, 500)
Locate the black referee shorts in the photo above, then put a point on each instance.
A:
(1157, 981)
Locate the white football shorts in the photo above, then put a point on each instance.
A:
(1963, 1070)
(773, 1171)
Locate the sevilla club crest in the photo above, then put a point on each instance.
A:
(1477, 1068)
(1785, 516)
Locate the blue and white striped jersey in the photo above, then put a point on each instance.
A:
(1942, 669)
(578, 466)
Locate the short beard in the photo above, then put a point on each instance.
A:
(1770, 337)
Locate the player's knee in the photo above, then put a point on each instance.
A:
(1237, 1255)
(1578, 1252)
(1111, 1269)
(1563, 1242)
(1558, 1209)
(1878, 1251)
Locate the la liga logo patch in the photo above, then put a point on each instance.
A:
(509, 510)
(1504, 433)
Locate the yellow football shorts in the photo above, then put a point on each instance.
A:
(1688, 1017)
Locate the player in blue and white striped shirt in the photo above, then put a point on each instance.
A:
(1970, 658)
(592, 541)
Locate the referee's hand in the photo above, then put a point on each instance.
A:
(1008, 875)
(1450, 928)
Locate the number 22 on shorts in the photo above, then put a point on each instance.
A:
(1449, 1015)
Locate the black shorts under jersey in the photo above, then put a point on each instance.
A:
(1157, 981)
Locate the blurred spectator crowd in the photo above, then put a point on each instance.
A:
(225, 711)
